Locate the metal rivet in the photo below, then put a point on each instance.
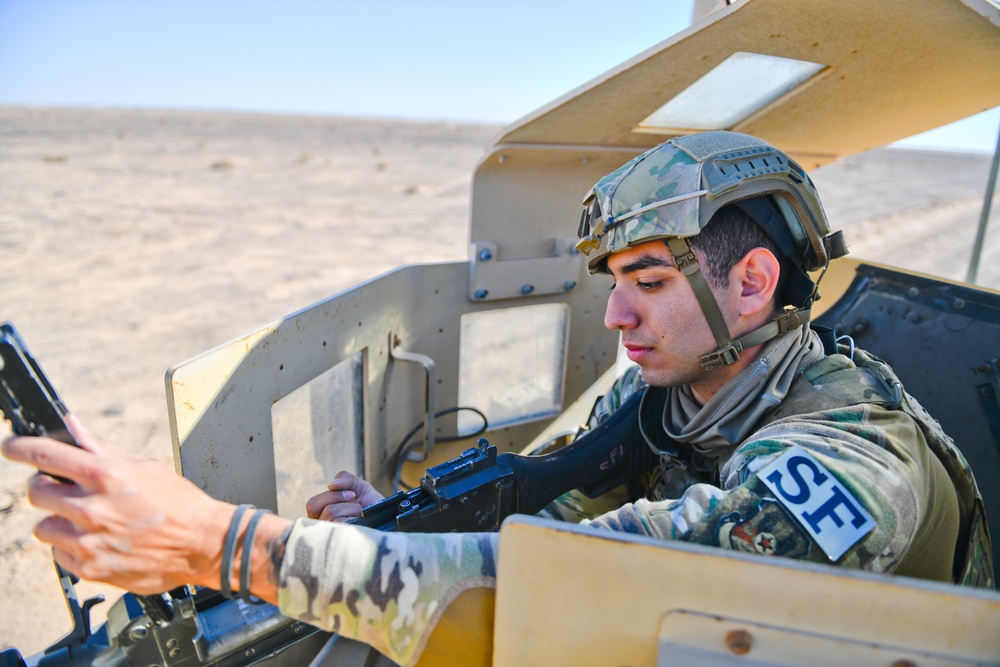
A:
(913, 292)
(485, 255)
(137, 633)
(481, 294)
(739, 641)
(527, 289)
(171, 643)
(297, 629)
(249, 652)
(174, 652)
(404, 503)
(569, 285)
(959, 304)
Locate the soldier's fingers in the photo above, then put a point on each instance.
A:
(316, 504)
(52, 457)
(340, 512)
(58, 531)
(344, 480)
(54, 496)
(92, 443)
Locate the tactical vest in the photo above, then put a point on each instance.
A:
(870, 380)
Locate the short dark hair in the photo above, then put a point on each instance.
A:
(727, 238)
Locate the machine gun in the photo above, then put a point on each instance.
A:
(199, 627)
(478, 489)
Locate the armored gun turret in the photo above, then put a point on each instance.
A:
(515, 330)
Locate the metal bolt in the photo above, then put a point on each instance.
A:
(913, 292)
(569, 285)
(297, 629)
(465, 500)
(137, 633)
(959, 304)
(481, 294)
(739, 641)
(249, 652)
(527, 289)
(404, 503)
(485, 255)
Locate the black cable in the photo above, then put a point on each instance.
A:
(398, 457)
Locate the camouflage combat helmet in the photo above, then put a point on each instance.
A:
(671, 192)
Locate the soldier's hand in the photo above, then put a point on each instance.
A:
(124, 520)
(344, 498)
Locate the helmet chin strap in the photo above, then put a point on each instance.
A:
(729, 350)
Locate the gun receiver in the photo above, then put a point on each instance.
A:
(479, 489)
(27, 399)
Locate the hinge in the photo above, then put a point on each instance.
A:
(492, 278)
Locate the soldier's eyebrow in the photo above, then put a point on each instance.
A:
(646, 262)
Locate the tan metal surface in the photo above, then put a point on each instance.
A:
(576, 596)
(219, 403)
(895, 68)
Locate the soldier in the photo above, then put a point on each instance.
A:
(783, 443)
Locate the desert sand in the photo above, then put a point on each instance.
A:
(133, 240)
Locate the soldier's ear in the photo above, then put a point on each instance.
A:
(755, 277)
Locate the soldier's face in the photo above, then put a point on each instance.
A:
(662, 325)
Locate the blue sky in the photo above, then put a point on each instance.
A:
(431, 59)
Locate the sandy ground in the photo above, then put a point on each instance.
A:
(135, 240)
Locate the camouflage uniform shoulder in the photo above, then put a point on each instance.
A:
(627, 384)
(840, 381)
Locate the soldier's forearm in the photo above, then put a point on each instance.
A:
(267, 552)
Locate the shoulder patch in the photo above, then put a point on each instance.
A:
(818, 501)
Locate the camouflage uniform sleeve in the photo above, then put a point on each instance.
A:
(385, 589)
(574, 505)
(858, 445)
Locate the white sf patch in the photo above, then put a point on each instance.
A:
(818, 501)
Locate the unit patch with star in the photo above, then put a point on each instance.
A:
(820, 503)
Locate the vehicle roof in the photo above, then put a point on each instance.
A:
(893, 69)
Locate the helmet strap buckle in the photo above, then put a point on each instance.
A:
(790, 320)
(683, 256)
(726, 356)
